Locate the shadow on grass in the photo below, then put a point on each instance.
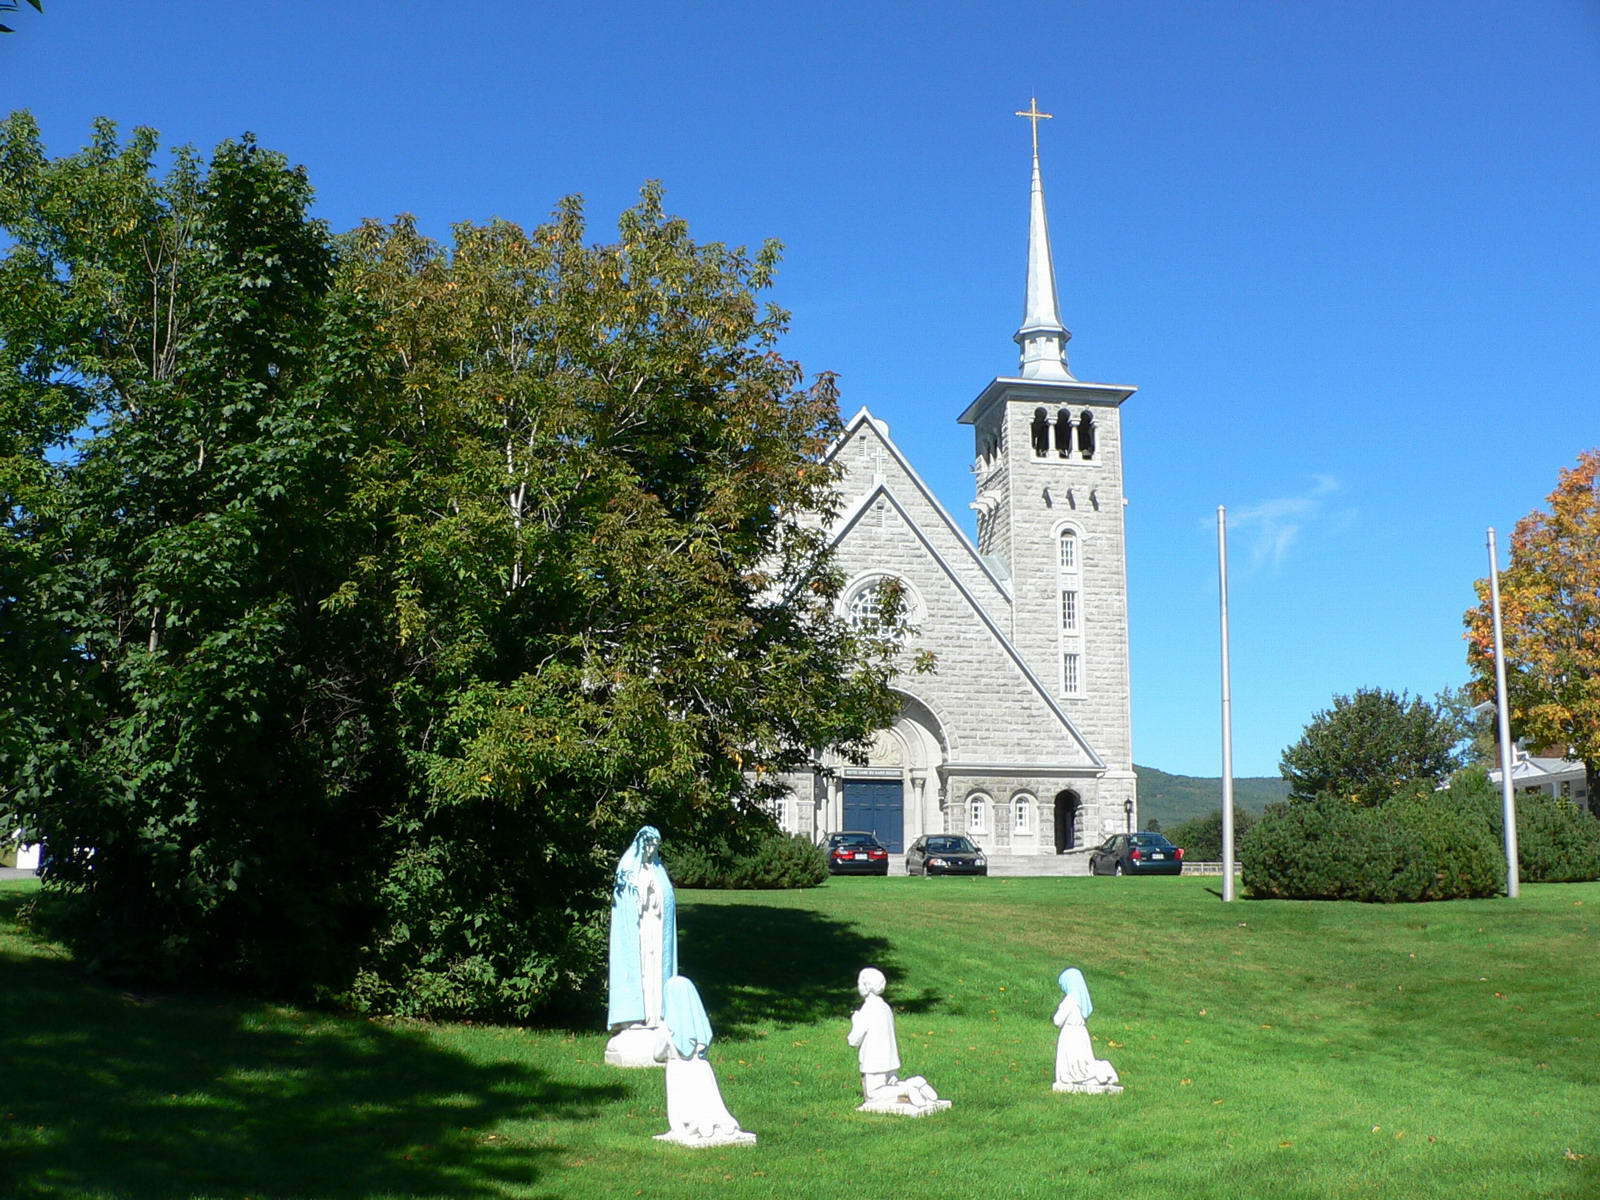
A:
(755, 965)
(112, 1094)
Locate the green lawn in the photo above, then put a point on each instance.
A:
(1269, 1049)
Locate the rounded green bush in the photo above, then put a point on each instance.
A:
(772, 860)
(1418, 846)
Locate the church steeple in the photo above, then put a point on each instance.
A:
(1043, 337)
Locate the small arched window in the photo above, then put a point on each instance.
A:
(1024, 814)
(1086, 434)
(1041, 433)
(1063, 433)
(1069, 549)
(977, 813)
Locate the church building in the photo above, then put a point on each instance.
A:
(1020, 735)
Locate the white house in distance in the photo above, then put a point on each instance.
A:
(1563, 778)
(1020, 736)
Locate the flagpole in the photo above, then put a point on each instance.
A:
(1508, 805)
(1227, 712)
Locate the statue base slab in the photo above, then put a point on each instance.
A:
(634, 1046)
(903, 1108)
(739, 1137)
(1089, 1089)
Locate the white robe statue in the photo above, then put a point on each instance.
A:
(872, 1034)
(644, 952)
(1077, 1069)
(696, 1115)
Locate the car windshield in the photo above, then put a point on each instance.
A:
(853, 839)
(950, 845)
(1155, 841)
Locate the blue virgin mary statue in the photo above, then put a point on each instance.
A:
(644, 935)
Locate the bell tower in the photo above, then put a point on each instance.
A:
(1050, 519)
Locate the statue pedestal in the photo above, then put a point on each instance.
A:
(1089, 1089)
(634, 1046)
(903, 1108)
(739, 1137)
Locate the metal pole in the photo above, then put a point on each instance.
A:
(1227, 713)
(1508, 805)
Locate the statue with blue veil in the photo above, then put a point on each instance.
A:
(696, 1114)
(644, 950)
(1077, 1069)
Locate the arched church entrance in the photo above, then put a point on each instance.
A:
(1069, 821)
(895, 794)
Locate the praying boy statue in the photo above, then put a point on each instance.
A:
(872, 1034)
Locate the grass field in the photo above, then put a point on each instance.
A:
(1269, 1049)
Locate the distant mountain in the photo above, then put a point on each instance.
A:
(1173, 798)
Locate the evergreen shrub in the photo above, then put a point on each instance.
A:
(1557, 842)
(1421, 845)
(770, 861)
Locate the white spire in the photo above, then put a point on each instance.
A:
(1043, 337)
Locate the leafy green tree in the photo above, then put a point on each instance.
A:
(1369, 746)
(362, 596)
(1201, 837)
(1550, 614)
(189, 735)
(610, 602)
(11, 6)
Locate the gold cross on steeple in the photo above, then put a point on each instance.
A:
(1035, 116)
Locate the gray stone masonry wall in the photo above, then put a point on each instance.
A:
(991, 712)
(1088, 495)
(868, 459)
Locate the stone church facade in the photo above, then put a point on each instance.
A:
(1020, 736)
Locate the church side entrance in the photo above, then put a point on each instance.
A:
(877, 806)
(1069, 821)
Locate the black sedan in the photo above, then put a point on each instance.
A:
(945, 854)
(856, 854)
(1136, 854)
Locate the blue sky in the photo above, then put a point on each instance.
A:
(1348, 252)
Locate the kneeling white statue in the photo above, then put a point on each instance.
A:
(1077, 1069)
(872, 1033)
(696, 1115)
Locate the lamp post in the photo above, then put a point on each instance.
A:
(1127, 811)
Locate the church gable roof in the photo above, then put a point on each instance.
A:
(1001, 701)
(891, 469)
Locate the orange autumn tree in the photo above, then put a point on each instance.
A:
(1550, 610)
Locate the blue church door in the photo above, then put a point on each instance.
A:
(877, 806)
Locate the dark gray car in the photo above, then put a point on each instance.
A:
(945, 854)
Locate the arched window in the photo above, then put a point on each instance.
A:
(1063, 433)
(1069, 549)
(865, 602)
(977, 813)
(1023, 815)
(1041, 433)
(1069, 588)
(1086, 434)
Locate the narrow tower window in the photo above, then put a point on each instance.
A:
(1063, 433)
(1069, 550)
(1041, 433)
(1086, 434)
